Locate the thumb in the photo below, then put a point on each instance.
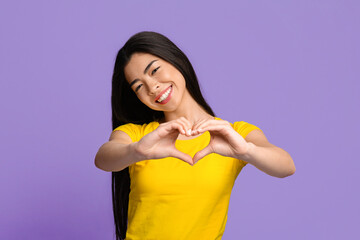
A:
(182, 156)
(202, 153)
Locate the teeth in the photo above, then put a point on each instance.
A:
(165, 95)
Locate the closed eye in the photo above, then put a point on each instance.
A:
(153, 71)
(138, 87)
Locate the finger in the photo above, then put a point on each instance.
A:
(182, 156)
(222, 129)
(196, 125)
(200, 123)
(187, 125)
(208, 122)
(201, 154)
(173, 126)
(213, 125)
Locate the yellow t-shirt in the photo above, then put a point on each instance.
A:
(170, 199)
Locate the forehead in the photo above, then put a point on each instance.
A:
(138, 62)
(140, 58)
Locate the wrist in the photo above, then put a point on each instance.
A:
(137, 154)
(248, 155)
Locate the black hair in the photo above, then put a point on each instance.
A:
(127, 108)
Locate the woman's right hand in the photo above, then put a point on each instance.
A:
(160, 143)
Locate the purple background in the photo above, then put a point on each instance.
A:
(289, 67)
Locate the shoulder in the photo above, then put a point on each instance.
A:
(137, 131)
(244, 128)
(251, 133)
(127, 126)
(135, 126)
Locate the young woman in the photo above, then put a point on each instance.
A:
(173, 162)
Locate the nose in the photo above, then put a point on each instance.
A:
(154, 87)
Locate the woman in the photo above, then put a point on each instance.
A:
(162, 127)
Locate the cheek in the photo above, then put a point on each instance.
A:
(167, 76)
(182, 84)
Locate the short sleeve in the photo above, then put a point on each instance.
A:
(133, 130)
(244, 128)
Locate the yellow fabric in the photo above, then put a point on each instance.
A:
(170, 199)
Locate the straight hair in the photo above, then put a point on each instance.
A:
(127, 108)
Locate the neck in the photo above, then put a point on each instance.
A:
(189, 109)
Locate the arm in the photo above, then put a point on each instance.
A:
(118, 153)
(267, 157)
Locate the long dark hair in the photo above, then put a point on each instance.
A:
(127, 108)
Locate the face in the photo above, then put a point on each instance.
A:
(157, 83)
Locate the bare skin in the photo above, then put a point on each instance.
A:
(184, 119)
(151, 84)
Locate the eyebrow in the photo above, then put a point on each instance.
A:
(145, 71)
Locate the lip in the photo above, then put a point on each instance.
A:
(162, 92)
(166, 99)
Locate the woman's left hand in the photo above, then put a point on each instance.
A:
(224, 139)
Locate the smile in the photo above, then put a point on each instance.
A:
(165, 97)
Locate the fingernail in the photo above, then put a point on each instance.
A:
(189, 131)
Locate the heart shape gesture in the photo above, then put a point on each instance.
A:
(224, 140)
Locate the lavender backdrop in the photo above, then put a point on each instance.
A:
(289, 67)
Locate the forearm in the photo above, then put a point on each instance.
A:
(113, 156)
(271, 160)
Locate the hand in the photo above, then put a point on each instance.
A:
(160, 143)
(224, 139)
